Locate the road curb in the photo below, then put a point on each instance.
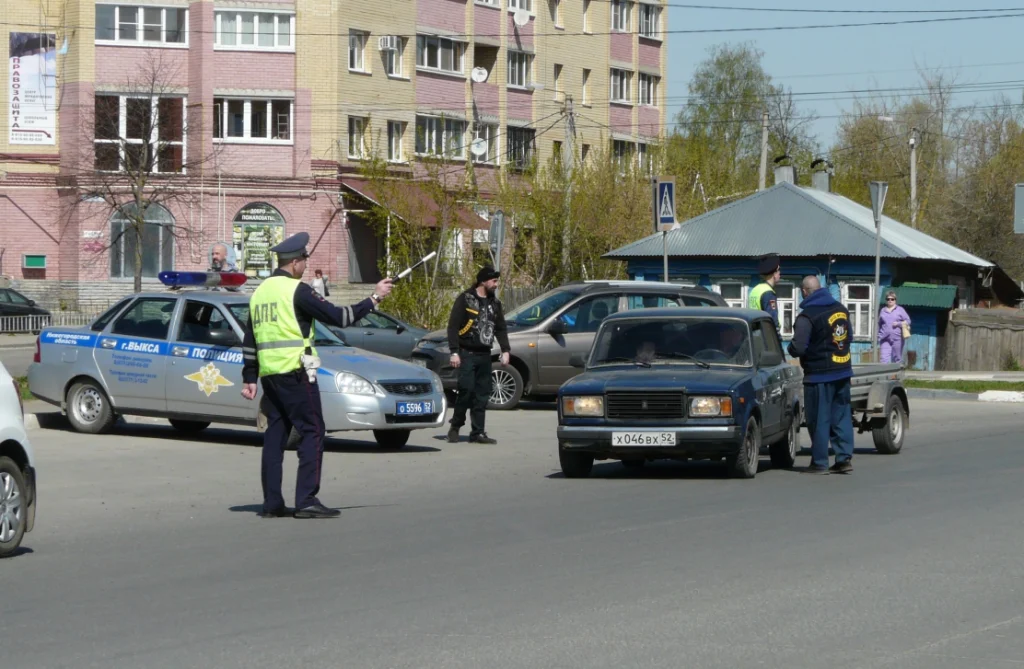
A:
(1007, 396)
(55, 420)
(926, 394)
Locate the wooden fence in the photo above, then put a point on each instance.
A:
(984, 340)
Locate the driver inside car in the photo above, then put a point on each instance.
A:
(733, 344)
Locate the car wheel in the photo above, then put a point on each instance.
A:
(190, 426)
(744, 464)
(392, 439)
(784, 451)
(634, 463)
(89, 408)
(294, 439)
(575, 465)
(13, 506)
(889, 437)
(506, 388)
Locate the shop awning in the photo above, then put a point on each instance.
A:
(416, 199)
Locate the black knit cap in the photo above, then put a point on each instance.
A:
(768, 264)
(486, 274)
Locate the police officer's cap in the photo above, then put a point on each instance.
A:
(293, 247)
(768, 264)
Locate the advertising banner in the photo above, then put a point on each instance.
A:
(257, 228)
(32, 79)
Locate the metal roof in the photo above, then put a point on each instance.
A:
(924, 295)
(799, 222)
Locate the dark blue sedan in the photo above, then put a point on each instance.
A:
(682, 384)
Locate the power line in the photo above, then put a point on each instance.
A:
(790, 10)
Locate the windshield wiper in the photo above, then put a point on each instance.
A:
(685, 356)
(638, 363)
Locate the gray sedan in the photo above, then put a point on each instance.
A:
(381, 333)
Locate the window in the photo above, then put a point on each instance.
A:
(623, 152)
(785, 294)
(357, 136)
(396, 132)
(584, 152)
(586, 87)
(520, 146)
(157, 241)
(438, 136)
(377, 322)
(765, 338)
(139, 134)
(254, 30)
(488, 133)
(644, 161)
(588, 315)
(857, 299)
(620, 15)
(519, 68)
(556, 78)
(649, 19)
(393, 59)
(356, 50)
(733, 292)
(649, 89)
(439, 54)
(521, 4)
(127, 24)
(555, 7)
(199, 320)
(652, 301)
(621, 80)
(108, 316)
(586, 16)
(252, 120)
(149, 317)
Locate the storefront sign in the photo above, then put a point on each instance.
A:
(257, 228)
(32, 80)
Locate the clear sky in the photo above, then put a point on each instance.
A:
(843, 59)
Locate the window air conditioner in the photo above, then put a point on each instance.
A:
(389, 43)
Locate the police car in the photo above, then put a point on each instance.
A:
(177, 354)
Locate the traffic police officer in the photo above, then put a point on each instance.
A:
(762, 297)
(278, 350)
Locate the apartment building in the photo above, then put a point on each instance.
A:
(261, 112)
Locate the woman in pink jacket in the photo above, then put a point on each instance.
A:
(890, 329)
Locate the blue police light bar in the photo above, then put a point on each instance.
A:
(202, 279)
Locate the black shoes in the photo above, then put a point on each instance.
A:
(842, 468)
(481, 438)
(453, 435)
(317, 511)
(816, 469)
(279, 512)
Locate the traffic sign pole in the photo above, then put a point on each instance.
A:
(664, 210)
(878, 190)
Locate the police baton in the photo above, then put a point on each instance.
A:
(408, 270)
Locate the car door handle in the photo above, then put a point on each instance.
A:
(368, 333)
(180, 351)
(108, 343)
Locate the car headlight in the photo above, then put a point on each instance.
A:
(710, 406)
(353, 384)
(438, 384)
(583, 406)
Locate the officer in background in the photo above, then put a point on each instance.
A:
(762, 297)
(278, 350)
(821, 339)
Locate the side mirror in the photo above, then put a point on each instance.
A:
(31, 303)
(557, 327)
(400, 329)
(576, 360)
(224, 338)
(769, 359)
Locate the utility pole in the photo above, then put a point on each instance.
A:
(764, 152)
(568, 163)
(913, 178)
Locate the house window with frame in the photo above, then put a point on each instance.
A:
(521, 4)
(650, 19)
(586, 87)
(555, 7)
(396, 133)
(857, 298)
(643, 158)
(254, 31)
(255, 121)
(586, 16)
(393, 59)
(556, 81)
(488, 133)
(437, 136)
(648, 85)
(519, 69)
(157, 243)
(357, 50)
(132, 24)
(620, 15)
(620, 85)
(439, 54)
(139, 134)
(521, 142)
(733, 292)
(357, 136)
(786, 301)
(622, 151)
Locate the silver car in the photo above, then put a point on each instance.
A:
(177, 355)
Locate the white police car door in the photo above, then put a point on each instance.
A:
(204, 368)
(131, 353)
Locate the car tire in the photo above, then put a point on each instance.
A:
(634, 463)
(13, 506)
(783, 452)
(392, 440)
(89, 408)
(294, 439)
(744, 464)
(889, 437)
(506, 388)
(189, 426)
(575, 465)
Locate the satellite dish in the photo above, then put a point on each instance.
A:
(479, 75)
(478, 146)
(521, 17)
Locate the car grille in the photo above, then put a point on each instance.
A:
(395, 419)
(406, 388)
(645, 406)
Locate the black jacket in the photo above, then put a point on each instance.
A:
(475, 322)
(821, 339)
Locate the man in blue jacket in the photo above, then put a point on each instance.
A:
(821, 339)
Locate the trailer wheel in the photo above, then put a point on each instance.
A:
(889, 437)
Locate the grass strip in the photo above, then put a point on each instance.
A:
(965, 386)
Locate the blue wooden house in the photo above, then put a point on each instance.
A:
(818, 232)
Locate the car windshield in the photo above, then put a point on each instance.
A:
(540, 308)
(322, 337)
(648, 341)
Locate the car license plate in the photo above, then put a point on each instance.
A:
(643, 438)
(414, 408)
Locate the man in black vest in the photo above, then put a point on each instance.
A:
(821, 339)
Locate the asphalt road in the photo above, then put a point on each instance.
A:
(16, 359)
(148, 553)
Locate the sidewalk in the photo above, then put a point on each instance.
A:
(1012, 377)
(17, 340)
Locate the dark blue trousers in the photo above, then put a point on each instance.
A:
(291, 400)
(827, 406)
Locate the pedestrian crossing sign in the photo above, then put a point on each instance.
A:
(664, 204)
